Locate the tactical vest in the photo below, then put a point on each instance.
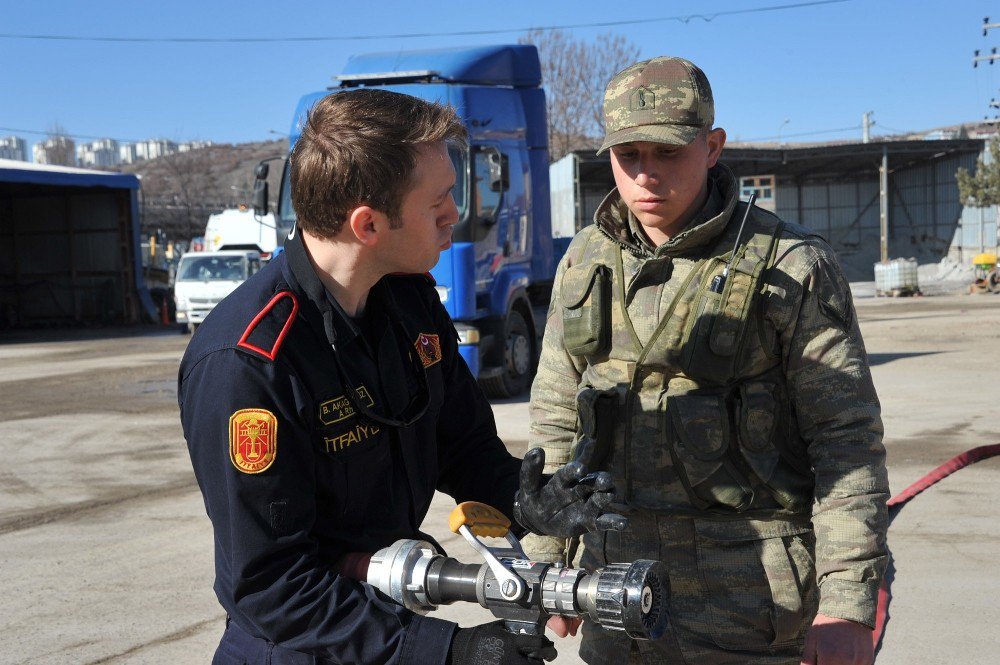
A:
(705, 422)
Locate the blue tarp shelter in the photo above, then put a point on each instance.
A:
(69, 247)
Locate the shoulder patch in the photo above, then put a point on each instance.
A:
(428, 348)
(253, 439)
(267, 339)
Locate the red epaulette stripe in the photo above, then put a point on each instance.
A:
(272, 354)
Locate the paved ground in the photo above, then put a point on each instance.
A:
(106, 553)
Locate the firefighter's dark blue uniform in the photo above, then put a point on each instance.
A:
(294, 476)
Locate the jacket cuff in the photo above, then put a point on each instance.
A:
(846, 599)
(427, 641)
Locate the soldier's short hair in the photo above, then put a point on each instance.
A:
(359, 147)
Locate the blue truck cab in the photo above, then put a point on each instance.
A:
(495, 280)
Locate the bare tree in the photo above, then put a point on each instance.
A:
(575, 73)
(180, 190)
(59, 147)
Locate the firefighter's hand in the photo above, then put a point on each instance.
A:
(494, 644)
(563, 626)
(833, 641)
(571, 502)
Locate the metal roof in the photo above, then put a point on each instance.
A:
(14, 171)
(841, 161)
(822, 161)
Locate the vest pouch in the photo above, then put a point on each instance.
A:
(697, 356)
(700, 443)
(586, 302)
(762, 428)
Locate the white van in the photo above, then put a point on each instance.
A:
(240, 229)
(205, 278)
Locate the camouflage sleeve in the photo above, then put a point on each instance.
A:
(553, 410)
(839, 419)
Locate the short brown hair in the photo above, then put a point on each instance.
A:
(359, 147)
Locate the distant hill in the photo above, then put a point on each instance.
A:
(180, 191)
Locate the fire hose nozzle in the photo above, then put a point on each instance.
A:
(630, 597)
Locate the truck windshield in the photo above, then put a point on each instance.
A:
(212, 269)
(459, 157)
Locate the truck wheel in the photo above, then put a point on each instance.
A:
(519, 360)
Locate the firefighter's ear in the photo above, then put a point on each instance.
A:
(367, 223)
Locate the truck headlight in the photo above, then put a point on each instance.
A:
(467, 334)
(442, 293)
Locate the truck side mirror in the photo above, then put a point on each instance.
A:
(499, 172)
(260, 192)
(489, 172)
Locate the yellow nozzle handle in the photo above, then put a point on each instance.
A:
(481, 519)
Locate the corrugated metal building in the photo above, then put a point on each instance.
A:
(69, 247)
(833, 189)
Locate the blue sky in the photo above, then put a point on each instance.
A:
(818, 67)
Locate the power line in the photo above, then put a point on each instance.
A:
(707, 18)
(822, 131)
(892, 129)
(67, 135)
(112, 138)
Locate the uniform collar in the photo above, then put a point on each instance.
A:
(324, 313)
(616, 221)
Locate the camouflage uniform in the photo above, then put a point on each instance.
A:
(748, 440)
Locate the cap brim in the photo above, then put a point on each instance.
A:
(669, 134)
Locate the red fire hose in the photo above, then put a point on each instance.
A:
(897, 502)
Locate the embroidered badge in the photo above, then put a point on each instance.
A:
(340, 408)
(642, 99)
(253, 439)
(428, 348)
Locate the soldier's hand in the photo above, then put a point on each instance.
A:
(833, 641)
(492, 644)
(568, 503)
(563, 626)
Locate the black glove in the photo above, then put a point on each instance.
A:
(492, 644)
(570, 502)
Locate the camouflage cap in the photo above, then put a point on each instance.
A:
(663, 100)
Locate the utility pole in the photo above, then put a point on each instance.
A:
(866, 125)
(976, 58)
(990, 58)
(883, 187)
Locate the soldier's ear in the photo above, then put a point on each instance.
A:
(716, 139)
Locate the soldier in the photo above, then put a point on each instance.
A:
(325, 401)
(731, 390)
